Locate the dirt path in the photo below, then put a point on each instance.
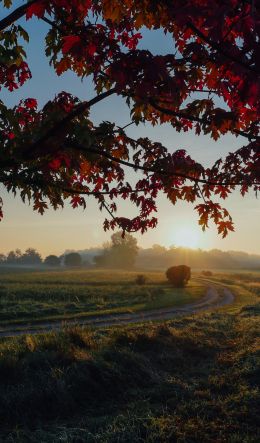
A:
(212, 299)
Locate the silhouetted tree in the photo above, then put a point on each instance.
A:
(52, 260)
(178, 275)
(14, 257)
(120, 253)
(2, 259)
(30, 257)
(73, 259)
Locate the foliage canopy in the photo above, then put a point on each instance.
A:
(209, 84)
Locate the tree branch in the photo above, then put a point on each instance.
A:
(58, 186)
(181, 114)
(15, 15)
(52, 24)
(32, 150)
(219, 49)
(78, 146)
(94, 193)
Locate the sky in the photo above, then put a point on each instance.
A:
(59, 230)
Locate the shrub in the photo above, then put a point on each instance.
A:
(140, 279)
(178, 275)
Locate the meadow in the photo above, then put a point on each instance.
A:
(35, 296)
(192, 379)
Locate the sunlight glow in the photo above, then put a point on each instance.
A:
(186, 237)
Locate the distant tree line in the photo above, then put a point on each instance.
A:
(31, 257)
(120, 253)
(161, 257)
(124, 253)
(16, 257)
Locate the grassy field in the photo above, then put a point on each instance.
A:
(35, 296)
(188, 380)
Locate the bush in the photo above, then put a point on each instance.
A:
(178, 275)
(207, 273)
(140, 279)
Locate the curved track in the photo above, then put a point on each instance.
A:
(212, 300)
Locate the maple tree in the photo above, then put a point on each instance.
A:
(56, 153)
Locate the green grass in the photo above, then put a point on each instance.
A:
(36, 296)
(189, 380)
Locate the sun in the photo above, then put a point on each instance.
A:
(186, 237)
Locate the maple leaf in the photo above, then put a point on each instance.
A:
(40, 206)
(62, 66)
(91, 49)
(31, 103)
(69, 42)
(223, 191)
(85, 167)
(8, 3)
(37, 9)
(77, 201)
(224, 227)
(55, 164)
(174, 195)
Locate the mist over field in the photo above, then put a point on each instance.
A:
(159, 257)
(155, 257)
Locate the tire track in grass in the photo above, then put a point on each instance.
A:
(211, 300)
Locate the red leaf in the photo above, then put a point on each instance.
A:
(92, 49)
(37, 9)
(55, 164)
(224, 227)
(31, 103)
(69, 42)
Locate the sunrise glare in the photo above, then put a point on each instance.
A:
(186, 236)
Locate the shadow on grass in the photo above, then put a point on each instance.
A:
(188, 380)
(58, 376)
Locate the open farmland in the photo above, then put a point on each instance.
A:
(188, 380)
(64, 294)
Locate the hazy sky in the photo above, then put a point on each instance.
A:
(78, 229)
